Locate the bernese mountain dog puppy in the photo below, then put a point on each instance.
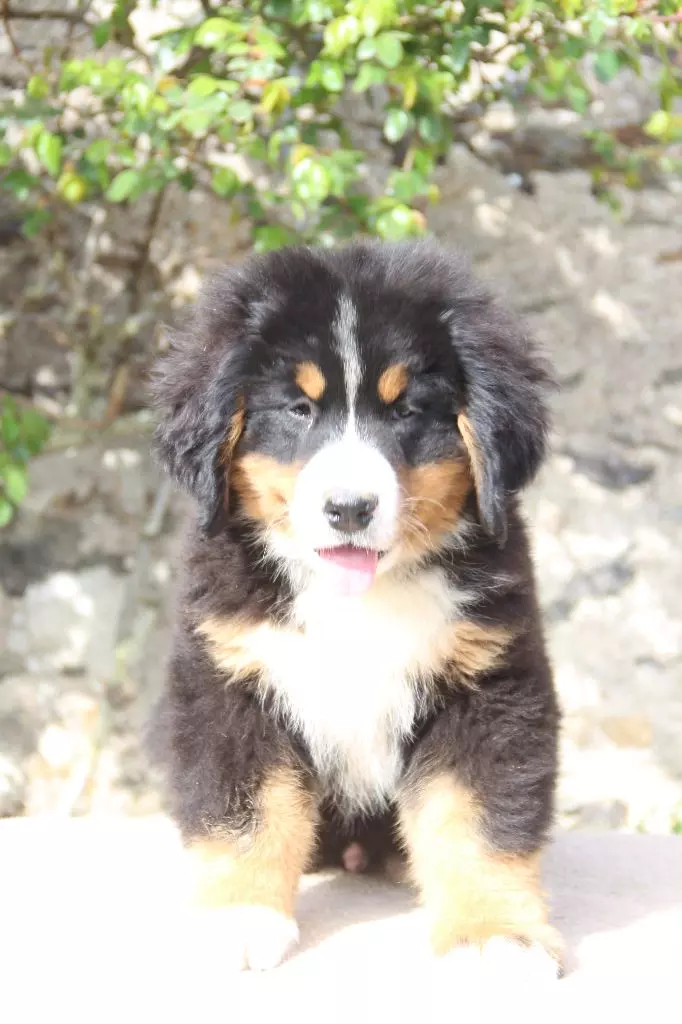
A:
(358, 667)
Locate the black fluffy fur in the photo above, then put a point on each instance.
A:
(420, 305)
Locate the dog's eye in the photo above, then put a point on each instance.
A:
(302, 409)
(403, 411)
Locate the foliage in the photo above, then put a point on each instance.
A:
(248, 100)
(23, 433)
(251, 100)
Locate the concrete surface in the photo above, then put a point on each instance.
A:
(96, 927)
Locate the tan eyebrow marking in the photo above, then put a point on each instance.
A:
(310, 380)
(392, 383)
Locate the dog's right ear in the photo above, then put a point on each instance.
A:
(198, 390)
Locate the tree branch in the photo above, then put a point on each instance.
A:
(12, 14)
(14, 46)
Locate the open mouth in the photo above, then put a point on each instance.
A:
(351, 570)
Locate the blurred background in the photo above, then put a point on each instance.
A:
(142, 143)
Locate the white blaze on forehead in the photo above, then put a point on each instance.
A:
(345, 330)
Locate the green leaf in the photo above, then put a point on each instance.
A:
(123, 185)
(19, 182)
(240, 111)
(14, 483)
(396, 124)
(126, 155)
(397, 223)
(368, 76)
(657, 125)
(101, 34)
(203, 85)
(374, 14)
(665, 126)
(224, 181)
(35, 221)
(606, 65)
(72, 186)
(574, 48)
(430, 128)
(5, 154)
(186, 179)
(405, 185)
(340, 34)
(331, 77)
(35, 430)
(458, 53)
(214, 31)
(315, 10)
(196, 122)
(142, 95)
(311, 180)
(275, 97)
(37, 88)
(49, 151)
(272, 236)
(389, 49)
(578, 97)
(6, 512)
(367, 49)
(598, 23)
(98, 151)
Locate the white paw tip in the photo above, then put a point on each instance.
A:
(505, 961)
(255, 938)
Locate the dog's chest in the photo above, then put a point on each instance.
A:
(353, 680)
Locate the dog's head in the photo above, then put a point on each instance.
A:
(346, 402)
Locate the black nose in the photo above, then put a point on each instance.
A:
(349, 515)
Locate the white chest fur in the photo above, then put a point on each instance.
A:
(351, 678)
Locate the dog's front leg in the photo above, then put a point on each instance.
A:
(474, 847)
(244, 803)
(247, 872)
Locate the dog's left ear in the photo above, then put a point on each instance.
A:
(201, 423)
(504, 423)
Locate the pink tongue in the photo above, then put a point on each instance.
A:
(352, 570)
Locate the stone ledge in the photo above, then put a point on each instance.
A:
(94, 923)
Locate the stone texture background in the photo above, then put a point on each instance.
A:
(86, 569)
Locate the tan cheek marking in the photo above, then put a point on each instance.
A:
(263, 867)
(234, 432)
(266, 487)
(310, 380)
(244, 649)
(434, 495)
(470, 892)
(392, 383)
(473, 451)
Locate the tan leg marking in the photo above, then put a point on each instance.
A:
(470, 892)
(262, 869)
(310, 380)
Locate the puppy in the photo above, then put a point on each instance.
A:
(358, 660)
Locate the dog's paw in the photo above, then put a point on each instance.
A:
(505, 962)
(255, 938)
